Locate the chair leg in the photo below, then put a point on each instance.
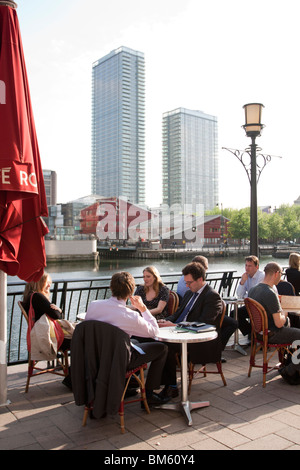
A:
(66, 363)
(85, 415)
(219, 367)
(252, 356)
(29, 373)
(122, 420)
(143, 391)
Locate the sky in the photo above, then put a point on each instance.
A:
(213, 56)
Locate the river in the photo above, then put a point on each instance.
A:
(107, 267)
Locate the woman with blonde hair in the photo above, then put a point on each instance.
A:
(154, 293)
(37, 294)
(293, 271)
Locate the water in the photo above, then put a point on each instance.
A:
(107, 267)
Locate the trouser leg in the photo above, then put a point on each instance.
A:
(169, 371)
(244, 321)
(156, 354)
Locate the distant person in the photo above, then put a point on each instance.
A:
(250, 278)
(293, 271)
(154, 293)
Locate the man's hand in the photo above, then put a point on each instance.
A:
(244, 279)
(163, 323)
(136, 302)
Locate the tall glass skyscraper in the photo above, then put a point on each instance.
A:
(118, 125)
(190, 159)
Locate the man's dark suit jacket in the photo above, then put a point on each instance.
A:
(207, 308)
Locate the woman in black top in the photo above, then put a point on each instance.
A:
(154, 293)
(293, 272)
(40, 293)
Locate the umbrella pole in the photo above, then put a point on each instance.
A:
(3, 339)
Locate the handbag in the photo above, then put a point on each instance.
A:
(44, 337)
(44, 343)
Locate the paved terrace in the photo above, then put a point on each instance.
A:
(241, 416)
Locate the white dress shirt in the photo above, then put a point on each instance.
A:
(242, 290)
(115, 312)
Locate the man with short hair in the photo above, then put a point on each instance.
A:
(181, 285)
(201, 303)
(278, 321)
(250, 278)
(229, 324)
(138, 322)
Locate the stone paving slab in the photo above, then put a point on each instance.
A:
(242, 416)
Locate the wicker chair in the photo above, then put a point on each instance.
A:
(60, 368)
(259, 339)
(141, 381)
(173, 302)
(203, 369)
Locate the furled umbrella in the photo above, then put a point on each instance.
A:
(22, 191)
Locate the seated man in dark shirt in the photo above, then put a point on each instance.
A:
(278, 322)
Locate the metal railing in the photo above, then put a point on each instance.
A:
(73, 297)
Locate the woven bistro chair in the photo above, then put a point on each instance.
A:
(259, 340)
(173, 302)
(141, 381)
(203, 368)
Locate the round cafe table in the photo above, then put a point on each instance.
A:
(170, 335)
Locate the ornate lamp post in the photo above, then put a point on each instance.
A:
(253, 128)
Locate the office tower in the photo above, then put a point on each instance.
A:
(50, 181)
(190, 159)
(118, 125)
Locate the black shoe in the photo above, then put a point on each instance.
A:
(169, 392)
(155, 400)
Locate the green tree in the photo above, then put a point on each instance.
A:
(239, 225)
(276, 228)
(263, 226)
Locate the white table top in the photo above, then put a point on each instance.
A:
(170, 335)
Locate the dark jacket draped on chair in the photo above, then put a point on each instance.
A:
(100, 354)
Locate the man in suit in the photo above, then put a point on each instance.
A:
(201, 303)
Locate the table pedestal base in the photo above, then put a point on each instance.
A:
(185, 407)
(237, 347)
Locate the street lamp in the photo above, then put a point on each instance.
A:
(253, 127)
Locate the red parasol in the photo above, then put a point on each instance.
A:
(22, 191)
